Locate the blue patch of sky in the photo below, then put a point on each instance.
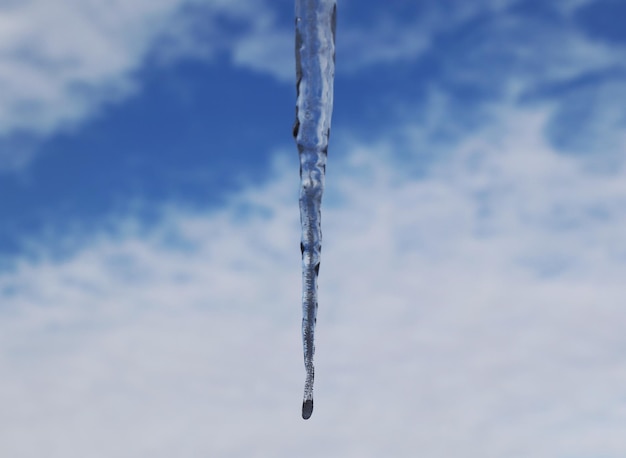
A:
(370, 12)
(387, 94)
(604, 20)
(196, 131)
(366, 104)
(538, 10)
(556, 90)
(193, 133)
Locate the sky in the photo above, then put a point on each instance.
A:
(471, 285)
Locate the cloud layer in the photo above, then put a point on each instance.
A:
(472, 309)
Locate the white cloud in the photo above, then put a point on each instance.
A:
(474, 311)
(523, 53)
(268, 49)
(61, 62)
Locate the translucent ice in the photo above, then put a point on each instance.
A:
(315, 72)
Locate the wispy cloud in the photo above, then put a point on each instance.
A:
(473, 309)
(60, 64)
(507, 51)
(61, 61)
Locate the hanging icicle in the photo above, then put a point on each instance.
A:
(315, 72)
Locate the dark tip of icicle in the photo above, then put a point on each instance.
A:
(307, 409)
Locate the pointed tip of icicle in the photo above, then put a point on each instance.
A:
(307, 409)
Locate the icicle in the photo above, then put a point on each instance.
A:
(315, 71)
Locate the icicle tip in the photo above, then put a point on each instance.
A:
(307, 409)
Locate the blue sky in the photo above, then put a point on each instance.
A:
(193, 129)
(471, 289)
